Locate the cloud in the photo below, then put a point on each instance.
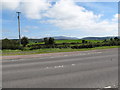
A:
(67, 15)
(25, 30)
(116, 17)
(32, 9)
(8, 4)
(29, 28)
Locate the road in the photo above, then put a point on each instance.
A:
(84, 69)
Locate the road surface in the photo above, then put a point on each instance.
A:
(83, 69)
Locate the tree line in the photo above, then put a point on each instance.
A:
(50, 43)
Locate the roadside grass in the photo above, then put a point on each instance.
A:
(50, 50)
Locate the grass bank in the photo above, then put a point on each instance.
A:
(50, 50)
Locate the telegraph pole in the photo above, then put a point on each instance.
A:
(19, 26)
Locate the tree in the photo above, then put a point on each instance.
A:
(116, 38)
(46, 41)
(105, 40)
(10, 44)
(83, 41)
(51, 41)
(24, 41)
(111, 39)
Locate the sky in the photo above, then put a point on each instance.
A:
(41, 18)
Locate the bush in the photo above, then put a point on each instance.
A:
(24, 41)
(10, 44)
(82, 46)
(49, 41)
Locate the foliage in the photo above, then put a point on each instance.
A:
(46, 40)
(60, 44)
(10, 44)
(49, 41)
(83, 41)
(116, 39)
(24, 41)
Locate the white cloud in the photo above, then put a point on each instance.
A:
(8, 4)
(34, 8)
(67, 15)
(25, 30)
(116, 17)
(29, 28)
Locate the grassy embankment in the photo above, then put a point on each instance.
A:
(54, 50)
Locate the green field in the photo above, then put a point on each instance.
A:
(68, 41)
(75, 41)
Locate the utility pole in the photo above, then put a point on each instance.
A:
(19, 26)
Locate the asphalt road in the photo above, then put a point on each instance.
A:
(84, 69)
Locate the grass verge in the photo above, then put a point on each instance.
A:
(50, 50)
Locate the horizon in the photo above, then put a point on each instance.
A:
(61, 18)
(68, 37)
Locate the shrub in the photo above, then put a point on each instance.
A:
(10, 44)
(24, 41)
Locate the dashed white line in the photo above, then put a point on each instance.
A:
(62, 66)
(47, 68)
(56, 66)
(59, 66)
(73, 64)
(114, 85)
(108, 87)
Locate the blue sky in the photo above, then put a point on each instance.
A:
(75, 19)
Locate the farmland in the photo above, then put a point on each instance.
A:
(62, 46)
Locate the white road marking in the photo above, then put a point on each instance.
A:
(47, 68)
(62, 66)
(56, 66)
(108, 87)
(73, 64)
(59, 66)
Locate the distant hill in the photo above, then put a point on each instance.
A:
(56, 38)
(64, 38)
(98, 38)
(71, 38)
